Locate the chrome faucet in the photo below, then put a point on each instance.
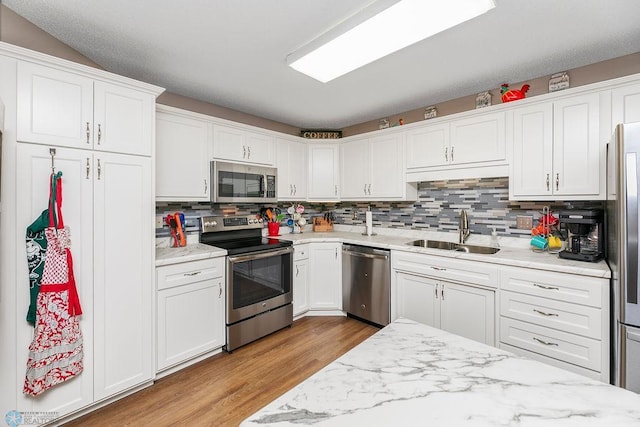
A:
(464, 226)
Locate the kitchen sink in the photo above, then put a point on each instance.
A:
(451, 246)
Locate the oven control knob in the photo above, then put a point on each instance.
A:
(259, 220)
(210, 223)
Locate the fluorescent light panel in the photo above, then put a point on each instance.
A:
(406, 22)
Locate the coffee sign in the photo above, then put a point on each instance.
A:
(321, 134)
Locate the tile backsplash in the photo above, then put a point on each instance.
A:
(436, 209)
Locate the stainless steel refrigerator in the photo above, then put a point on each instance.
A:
(623, 224)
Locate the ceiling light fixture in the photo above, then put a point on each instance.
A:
(381, 28)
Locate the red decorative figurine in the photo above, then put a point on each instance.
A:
(509, 95)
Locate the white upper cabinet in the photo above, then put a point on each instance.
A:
(373, 169)
(241, 145)
(558, 151)
(291, 162)
(70, 110)
(625, 102)
(182, 156)
(468, 147)
(323, 172)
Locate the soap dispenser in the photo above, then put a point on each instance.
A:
(494, 238)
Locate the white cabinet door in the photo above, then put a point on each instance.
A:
(33, 172)
(182, 162)
(468, 311)
(323, 172)
(190, 321)
(354, 170)
(576, 146)
(428, 146)
(54, 107)
(123, 120)
(417, 299)
(531, 167)
(625, 103)
(291, 161)
(300, 286)
(123, 272)
(386, 167)
(241, 145)
(325, 276)
(478, 139)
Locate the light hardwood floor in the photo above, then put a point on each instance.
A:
(225, 389)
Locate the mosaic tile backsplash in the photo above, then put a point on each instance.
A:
(436, 209)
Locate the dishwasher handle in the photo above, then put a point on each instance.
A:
(370, 253)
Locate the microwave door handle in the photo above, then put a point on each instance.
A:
(262, 189)
(630, 263)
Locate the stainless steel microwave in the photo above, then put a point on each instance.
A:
(240, 183)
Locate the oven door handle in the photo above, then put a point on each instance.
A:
(260, 255)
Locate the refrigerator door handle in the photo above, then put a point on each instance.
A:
(630, 264)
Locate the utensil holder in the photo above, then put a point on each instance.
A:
(273, 228)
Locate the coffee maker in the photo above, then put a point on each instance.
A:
(584, 232)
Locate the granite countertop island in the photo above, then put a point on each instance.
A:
(411, 374)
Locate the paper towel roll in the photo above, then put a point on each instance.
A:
(369, 223)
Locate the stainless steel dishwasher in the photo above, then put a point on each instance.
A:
(366, 277)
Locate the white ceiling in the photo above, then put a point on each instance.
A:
(232, 52)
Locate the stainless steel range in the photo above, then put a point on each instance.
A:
(259, 277)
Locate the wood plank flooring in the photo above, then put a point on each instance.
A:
(225, 389)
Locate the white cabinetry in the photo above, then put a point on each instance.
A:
(422, 291)
(458, 147)
(373, 169)
(291, 161)
(323, 172)
(625, 104)
(190, 317)
(183, 148)
(70, 110)
(558, 318)
(300, 279)
(325, 276)
(243, 145)
(558, 152)
(113, 261)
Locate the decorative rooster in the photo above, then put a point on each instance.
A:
(509, 95)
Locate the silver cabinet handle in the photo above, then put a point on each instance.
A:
(545, 342)
(446, 154)
(297, 270)
(248, 151)
(365, 189)
(544, 313)
(335, 190)
(442, 292)
(88, 133)
(369, 190)
(99, 133)
(205, 186)
(438, 268)
(220, 289)
(546, 287)
(547, 182)
(99, 169)
(452, 154)
(195, 273)
(436, 290)
(244, 151)
(557, 181)
(295, 190)
(290, 190)
(88, 167)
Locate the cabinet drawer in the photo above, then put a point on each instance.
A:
(558, 286)
(189, 272)
(446, 268)
(554, 362)
(581, 351)
(572, 318)
(300, 252)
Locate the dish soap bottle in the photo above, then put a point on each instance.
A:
(494, 239)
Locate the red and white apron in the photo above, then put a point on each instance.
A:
(55, 354)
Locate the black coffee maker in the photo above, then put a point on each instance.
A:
(584, 231)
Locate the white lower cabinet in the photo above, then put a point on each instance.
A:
(460, 309)
(300, 279)
(190, 316)
(325, 276)
(558, 318)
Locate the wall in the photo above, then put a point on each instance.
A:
(437, 209)
(606, 70)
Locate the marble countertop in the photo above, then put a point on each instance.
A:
(191, 252)
(513, 251)
(413, 374)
